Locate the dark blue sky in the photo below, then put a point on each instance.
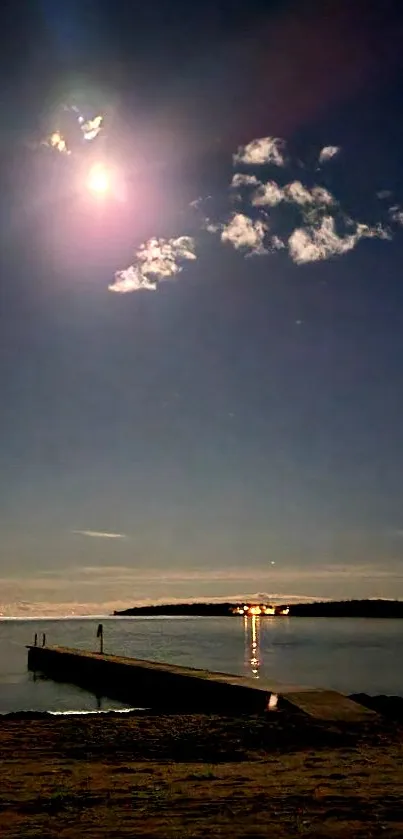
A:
(249, 412)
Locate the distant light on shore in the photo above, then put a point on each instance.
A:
(254, 610)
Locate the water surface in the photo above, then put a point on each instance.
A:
(350, 655)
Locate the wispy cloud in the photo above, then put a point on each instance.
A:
(100, 534)
(262, 151)
(78, 608)
(276, 243)
(395, 532)
(396, 214)
(328, 152)
(311, 244)
(101, 589)
(156, 260)
(274, 572)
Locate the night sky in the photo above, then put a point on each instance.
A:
(238, 428)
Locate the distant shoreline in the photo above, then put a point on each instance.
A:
(320, 609)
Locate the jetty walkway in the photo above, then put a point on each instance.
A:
(170, 687)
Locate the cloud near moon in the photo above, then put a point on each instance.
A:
(267, 212)
(320, 228)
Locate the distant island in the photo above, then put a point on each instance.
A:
(318, 609)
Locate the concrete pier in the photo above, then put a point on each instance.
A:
(165, 687)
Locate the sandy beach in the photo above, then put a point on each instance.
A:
(282, 775)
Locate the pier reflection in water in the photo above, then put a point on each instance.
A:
(252, 627)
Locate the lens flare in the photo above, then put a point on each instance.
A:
(99, 181)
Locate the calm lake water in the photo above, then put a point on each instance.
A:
(349, 655)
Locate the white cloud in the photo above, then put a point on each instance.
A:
(100, 534)
(276, 243)
(156, 260)
(241, 179)
(268, 195)
(261, 151)
(95, 590)
(314, 239)
(328, 152)
(396, 214)
(197, 203)
(131, 279)
(375, 232)
(91, 127)
(242, 232)
(40, 608)
(56, 141)
(297, 193)
(212, 226)
(322, 196)
(160, 257)
(311, 244)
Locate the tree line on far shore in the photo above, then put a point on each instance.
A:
(318, 609)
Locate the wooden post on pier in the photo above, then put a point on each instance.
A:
(100, 635)
(43, 640)
(36, 640)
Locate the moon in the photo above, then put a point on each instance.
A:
(99, 180)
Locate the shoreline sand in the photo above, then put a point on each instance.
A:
(174, 776)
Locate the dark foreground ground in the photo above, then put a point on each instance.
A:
(199, 776)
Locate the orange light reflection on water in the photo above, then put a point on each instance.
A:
(252, 643)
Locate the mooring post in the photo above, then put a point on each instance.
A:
(43, 640)
(100, 635)
(36, 640)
